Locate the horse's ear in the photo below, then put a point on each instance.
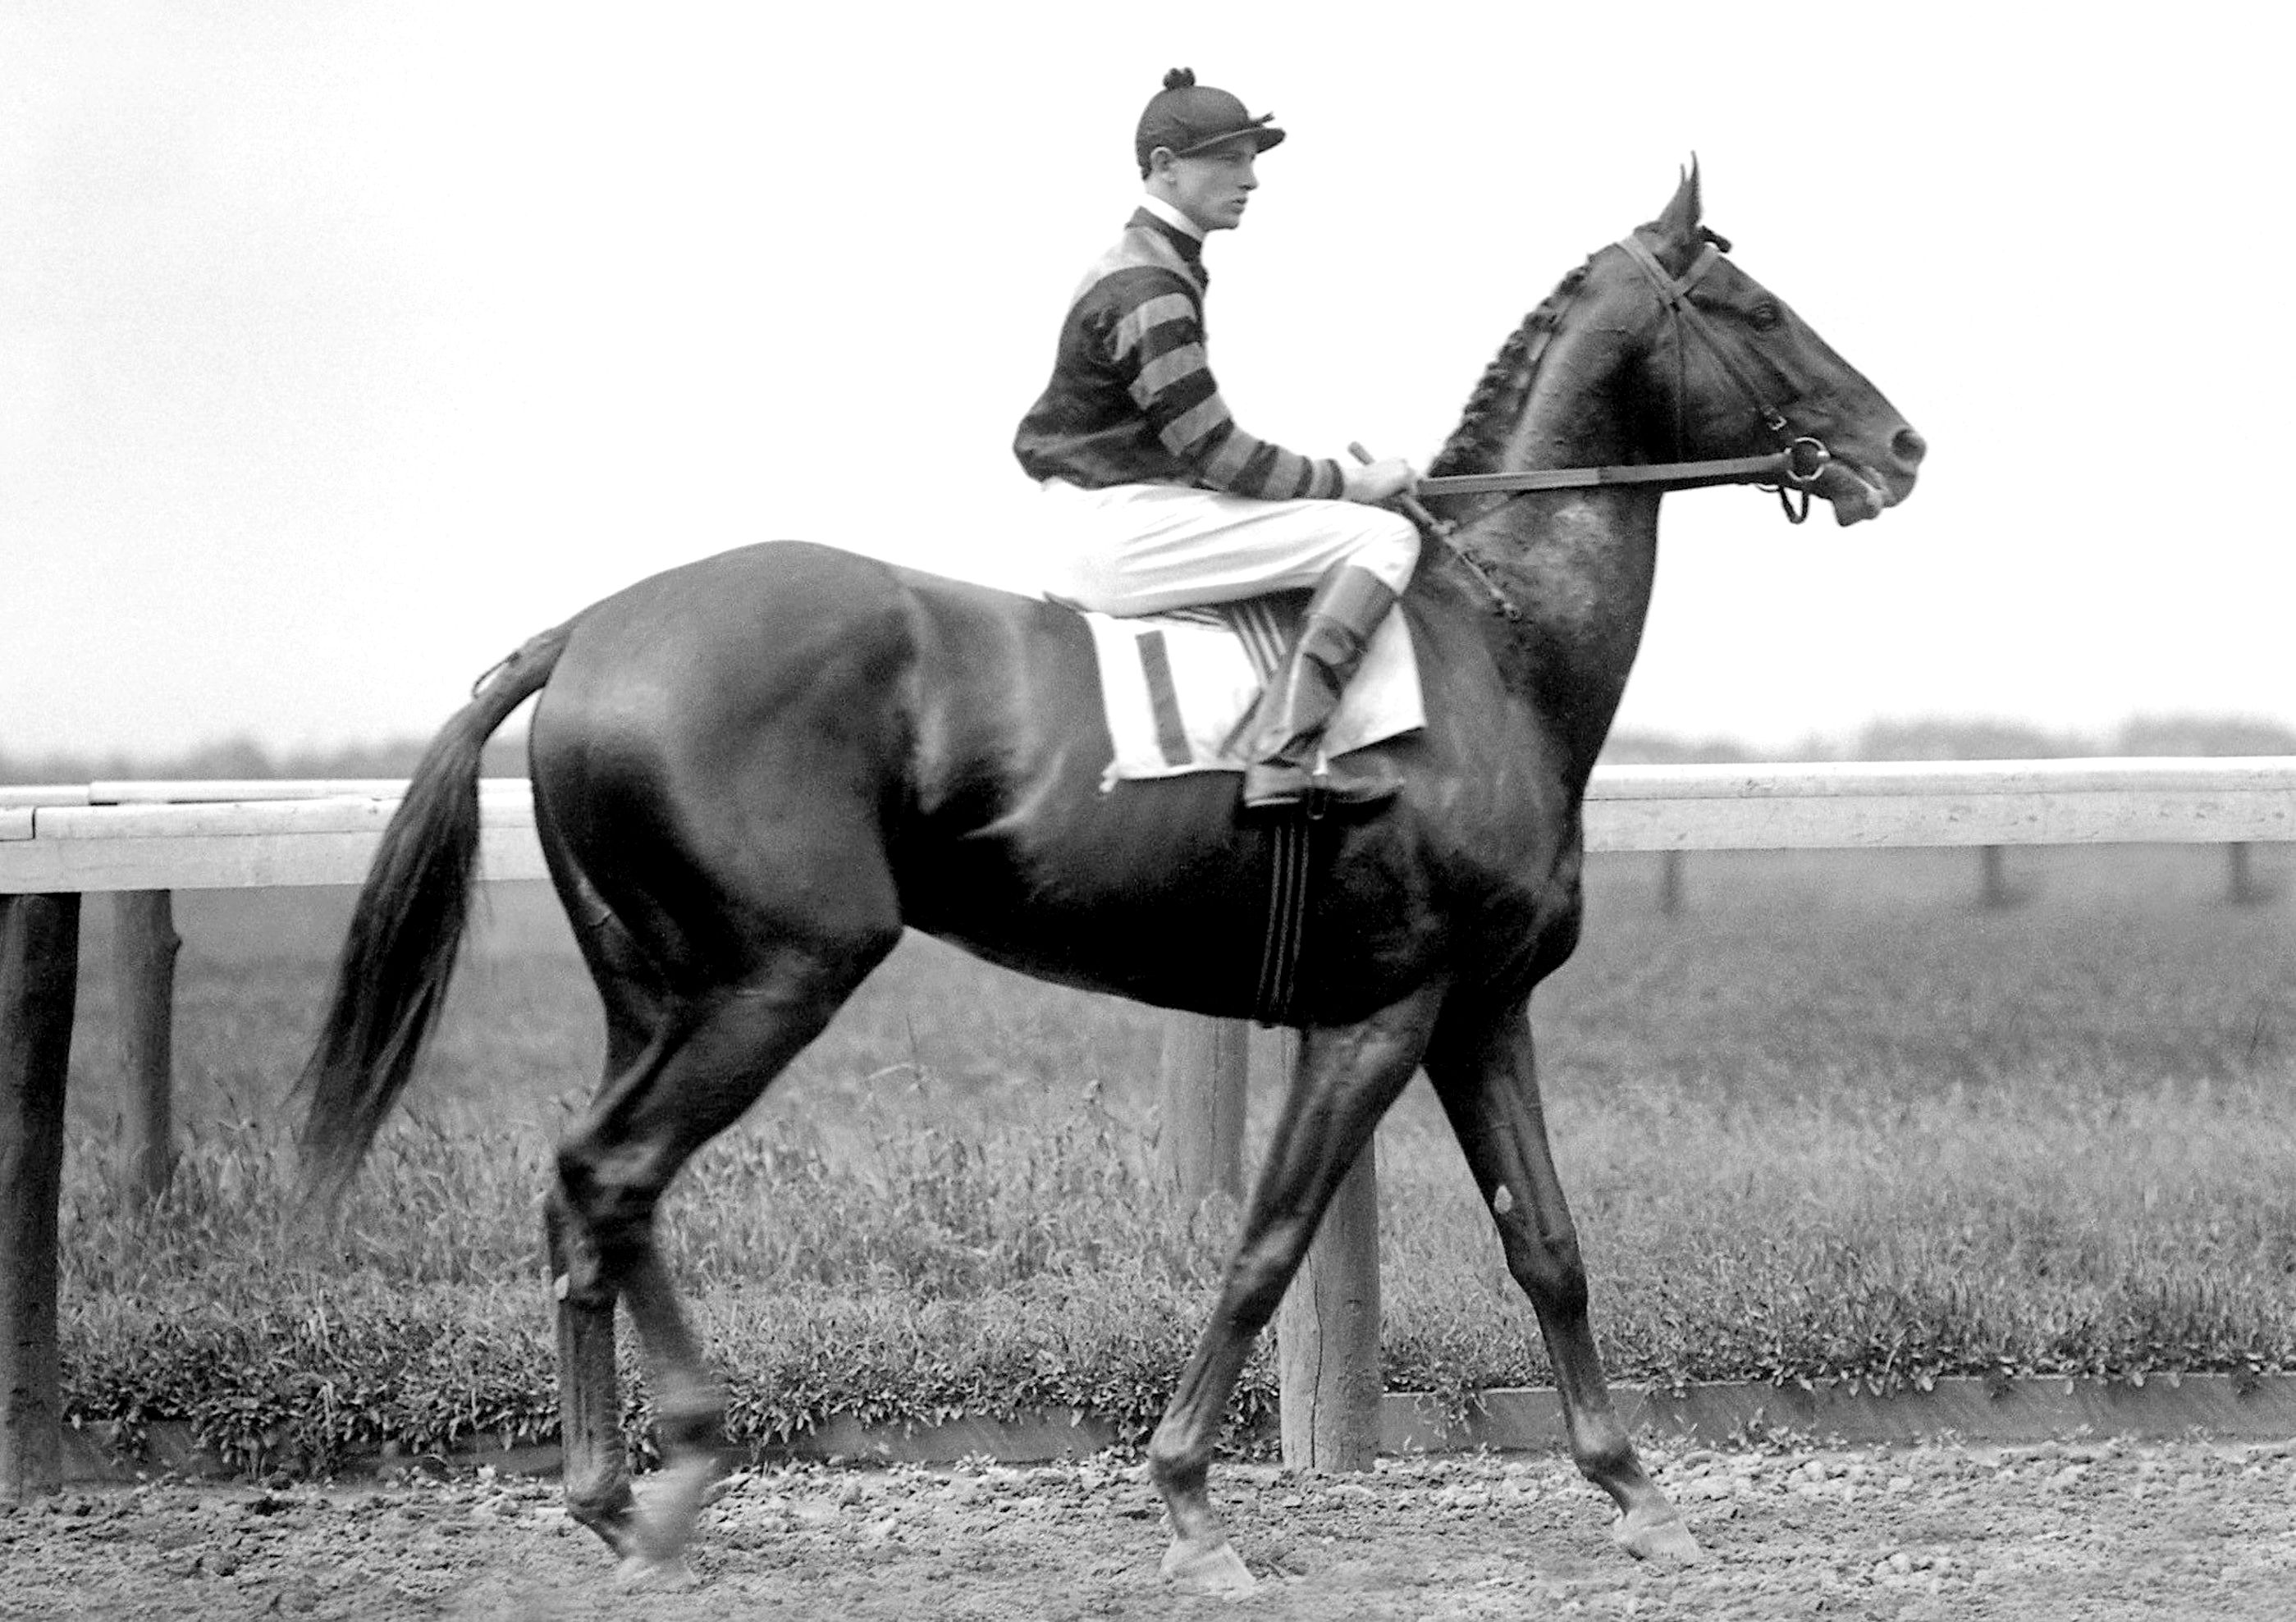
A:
(1679, 224)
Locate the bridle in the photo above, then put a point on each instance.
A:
(1791, 470)
(1674, 293)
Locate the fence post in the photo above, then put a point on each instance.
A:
(1201, 1082)
(1327, 1328)
(1327, 1334)
(1669, 882)
(39, 984)
(144, 944)
(1994, 872)
(2243, 888)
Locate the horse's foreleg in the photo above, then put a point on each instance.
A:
(1345, 1081)
(1489, 1088)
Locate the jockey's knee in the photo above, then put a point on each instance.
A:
(1388, 549)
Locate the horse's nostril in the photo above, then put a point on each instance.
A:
(1909, 446)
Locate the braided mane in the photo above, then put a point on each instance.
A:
(1498, 398)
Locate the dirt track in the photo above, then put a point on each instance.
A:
(2158, 1531)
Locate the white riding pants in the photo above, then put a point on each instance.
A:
(1144, 548)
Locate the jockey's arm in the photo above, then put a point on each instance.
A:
(1159, 342)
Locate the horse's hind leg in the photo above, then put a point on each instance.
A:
(597, 1478)
(1346, 1079)
(597, 1473)
(709, 1057)
(1483, 1073)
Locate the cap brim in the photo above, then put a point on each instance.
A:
(1261, 135)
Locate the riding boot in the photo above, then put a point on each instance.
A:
(1284, 733)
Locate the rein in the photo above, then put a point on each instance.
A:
(1790, 470)
(1801, 462)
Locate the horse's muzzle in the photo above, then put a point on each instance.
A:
(1858, 489)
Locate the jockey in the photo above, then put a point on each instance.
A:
(1162, 500)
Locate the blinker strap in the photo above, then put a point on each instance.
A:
(1660, 278)
(1674, 289)
(1706, 261)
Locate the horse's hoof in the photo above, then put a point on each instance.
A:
(643, 1573)
(1663, 1537)
(610, 1516)
(1201, 1570)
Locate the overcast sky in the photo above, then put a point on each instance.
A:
(344, 346)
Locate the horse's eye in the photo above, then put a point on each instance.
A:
(1764, 316)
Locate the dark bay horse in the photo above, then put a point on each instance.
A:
(750, 773)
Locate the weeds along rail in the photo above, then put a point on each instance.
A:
(140, 843)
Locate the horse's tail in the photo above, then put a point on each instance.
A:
(405, 931)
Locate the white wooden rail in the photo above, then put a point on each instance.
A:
(102, 837)
(142, 841)
(125, 837)
(1866, 804)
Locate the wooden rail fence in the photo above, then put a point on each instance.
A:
(140, 842)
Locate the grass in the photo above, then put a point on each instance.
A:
(1835, 1120)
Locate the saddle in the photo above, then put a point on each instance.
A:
(1176, 686)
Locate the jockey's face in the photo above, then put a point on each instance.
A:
(1209, 187)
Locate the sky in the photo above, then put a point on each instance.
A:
(344, 346)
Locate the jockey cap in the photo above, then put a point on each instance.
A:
(1189, 118)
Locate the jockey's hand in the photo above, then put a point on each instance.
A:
(1378, 481)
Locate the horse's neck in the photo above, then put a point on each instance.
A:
(1579, 563)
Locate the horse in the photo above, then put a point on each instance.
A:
(751, 773)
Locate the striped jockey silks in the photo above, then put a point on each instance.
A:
(1132, 398)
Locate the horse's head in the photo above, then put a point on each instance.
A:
(1727, 369)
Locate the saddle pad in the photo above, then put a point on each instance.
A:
(1175, 685)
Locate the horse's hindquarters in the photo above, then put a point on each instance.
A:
(717, 754)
